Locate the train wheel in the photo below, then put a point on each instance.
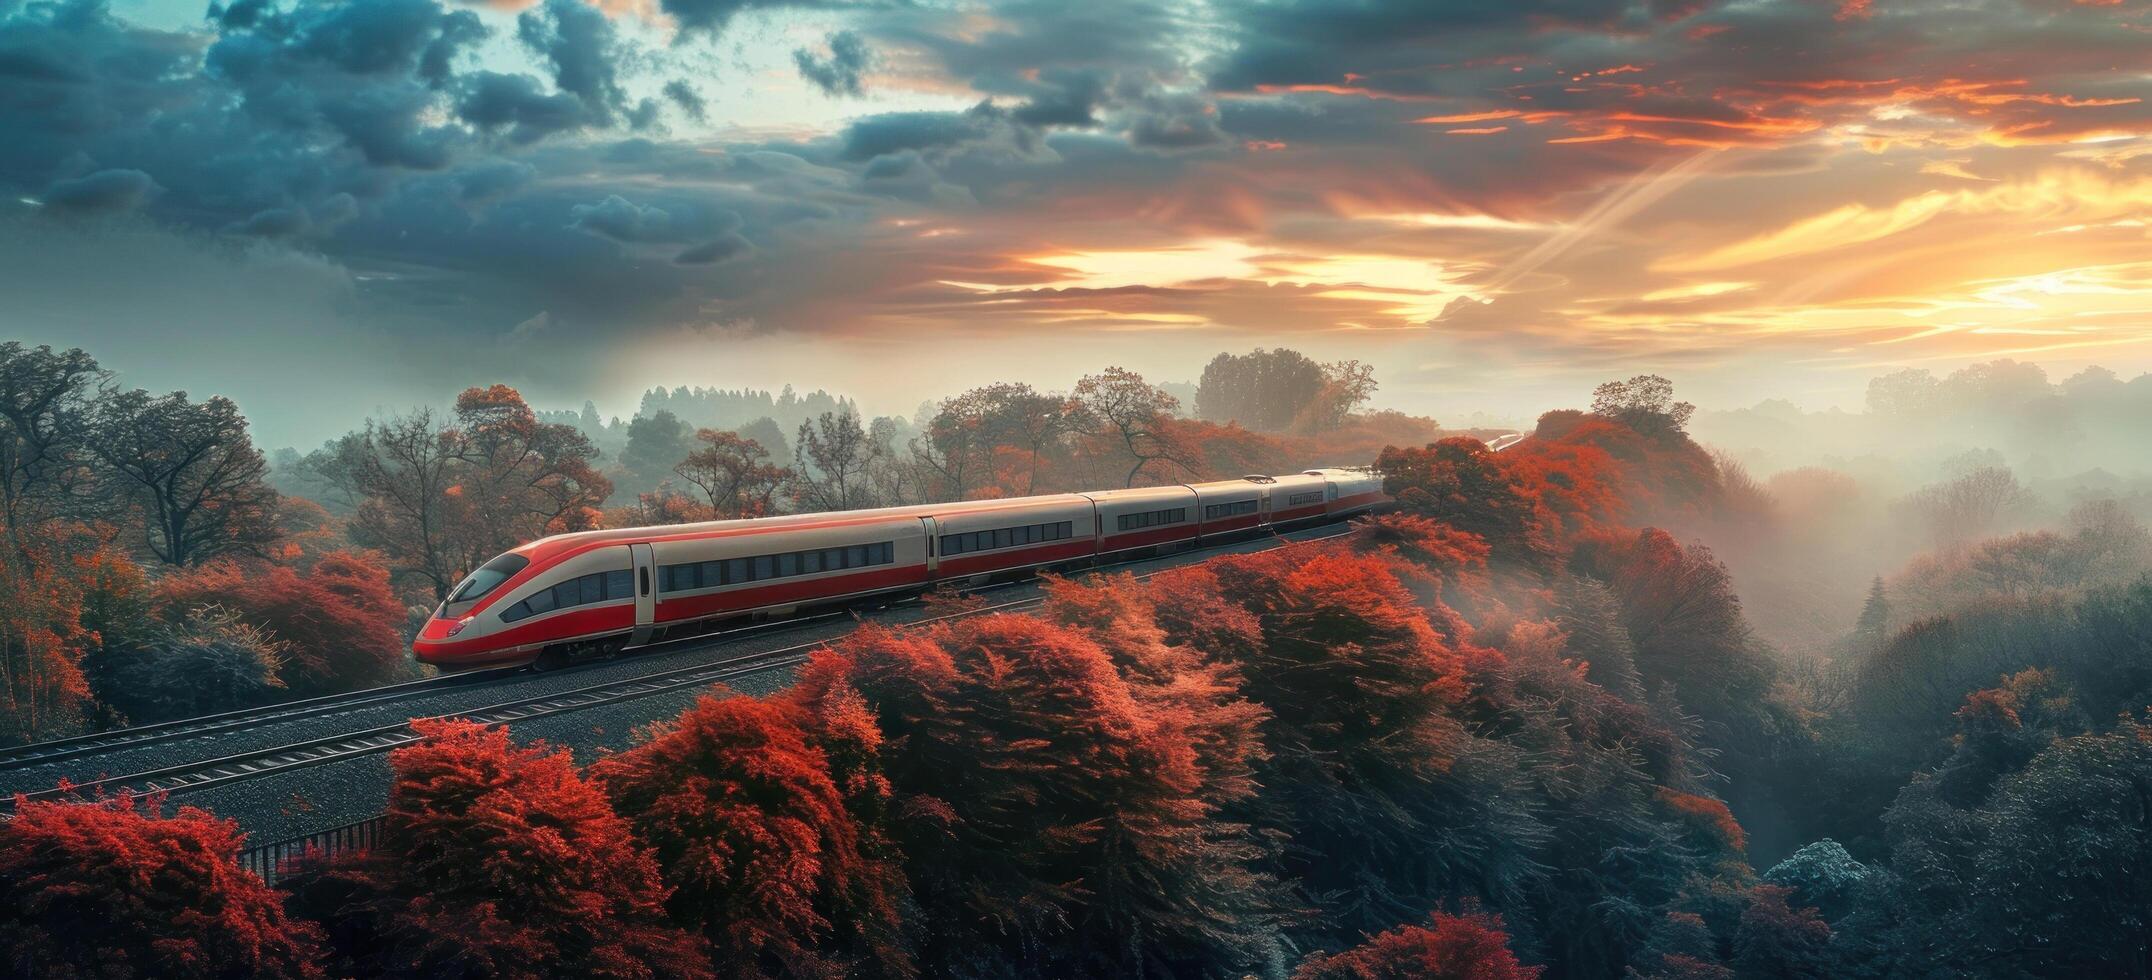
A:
(552, 658)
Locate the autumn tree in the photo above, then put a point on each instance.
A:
(41, 640)
(1471, 946)
(958, 445)
(336, 622)
(45, 404)
(734, 472)
(1346, 386)
(1365, 755)
(753, 835)
(401, 474)
(831, 458)
(520, 478)
(439, 497)
(113, 610)
(1263, 389)
(1459, 482)
(1031, 426)
(658, 508)
(1050, 822)
(1680, 610)
(1281, 391)
(111, 889)
(1134, 417)
(496, 860)
(1968, 507)
(190, 470)
(1644, 403)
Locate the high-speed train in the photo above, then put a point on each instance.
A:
(595, 593)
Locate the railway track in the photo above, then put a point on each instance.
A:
(99, 743)
(257, 763)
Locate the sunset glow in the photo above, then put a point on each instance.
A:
(1770, 193)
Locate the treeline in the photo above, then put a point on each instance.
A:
(1112, 429)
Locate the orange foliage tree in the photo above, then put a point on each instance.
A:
(41, 638)
(110, 889)
(1358, 686)
(759, 842)
(1462, 483)
(496, 861)
(338, 623)
(1472, 946)
(1050, 820)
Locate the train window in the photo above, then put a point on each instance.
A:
(765, 566)
(488, 577)
(620, 584)
(1303, 499)
(569, 593)
(1234, 509)
(541, 602)
(833, 559)
(888, 552)
(810, 562)
(855, 556)
(592, 588)
(1152, 518)
(521, 610)
(738, 570)
(788, 564)
(713, 574)
(1000, 537)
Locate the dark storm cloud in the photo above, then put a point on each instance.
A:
(584, 51)
(896, 132)
(839, 73)
(691, 102)
(518, 106)
(102, 192)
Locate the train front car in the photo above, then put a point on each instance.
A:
(558, 592)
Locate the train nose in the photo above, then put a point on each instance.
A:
(431, 645)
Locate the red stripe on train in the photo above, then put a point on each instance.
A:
(547, 628)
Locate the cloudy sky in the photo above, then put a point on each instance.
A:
(331, 208)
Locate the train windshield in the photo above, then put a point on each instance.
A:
(488, 577)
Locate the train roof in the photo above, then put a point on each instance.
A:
(562, 544)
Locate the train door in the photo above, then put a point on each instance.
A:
(933, 551)
(646, 594)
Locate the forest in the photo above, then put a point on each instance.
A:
(1604, 703)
